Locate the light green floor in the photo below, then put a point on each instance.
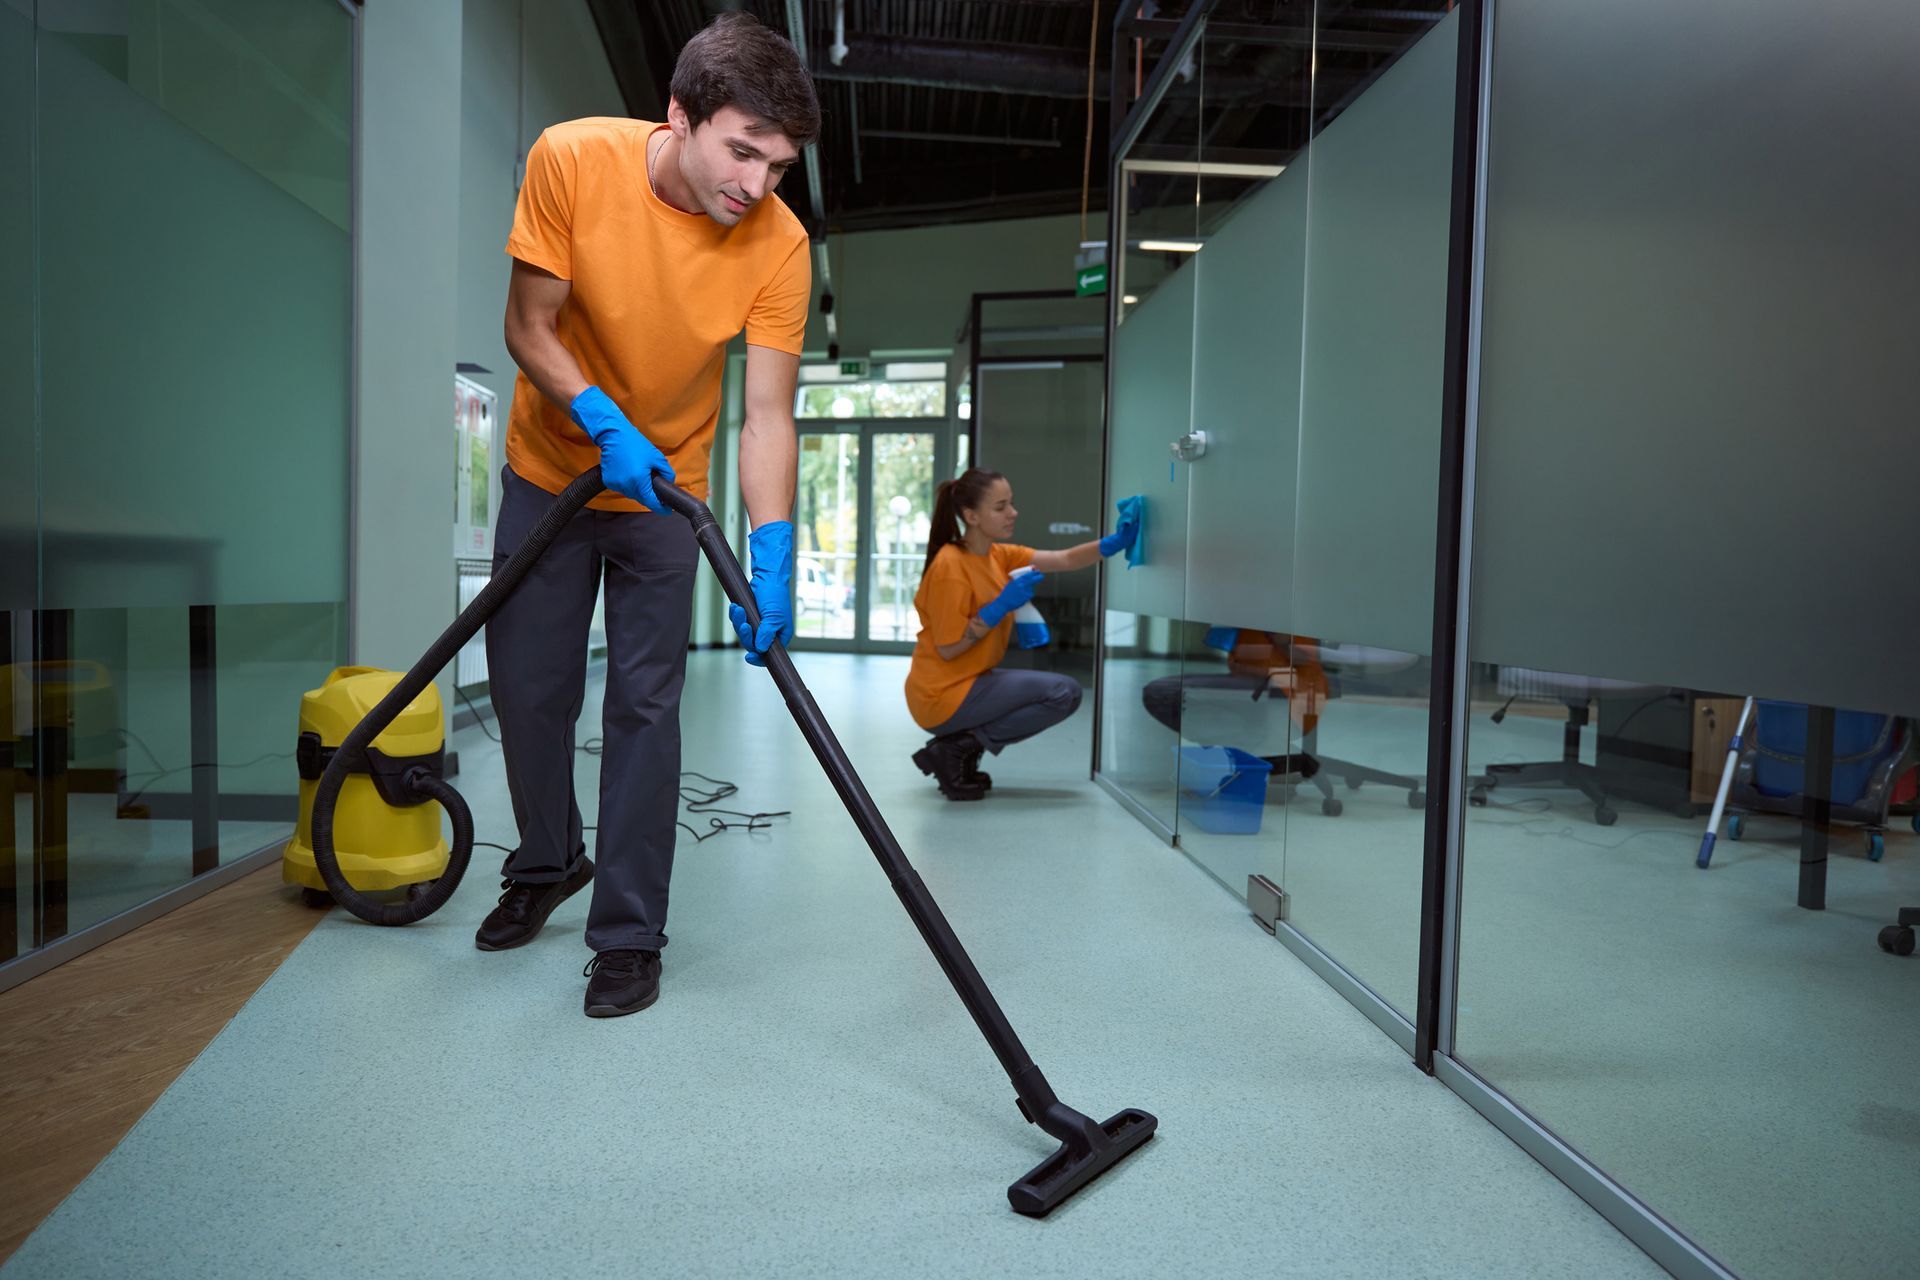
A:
(808, 1097)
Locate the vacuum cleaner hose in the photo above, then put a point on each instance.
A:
(353, 747)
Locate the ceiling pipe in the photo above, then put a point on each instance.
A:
(837, 51)
(823, 275)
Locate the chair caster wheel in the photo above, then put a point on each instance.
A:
(1331, 807)
(1876, 846)
(1604, 816)
(1353, 784)
(1416, 800)
(1897, 939)
(1736, 827)
(318, 899)
(1477, 798)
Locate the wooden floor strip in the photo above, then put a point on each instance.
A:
(87, 1047)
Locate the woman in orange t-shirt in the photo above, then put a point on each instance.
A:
(974, 582)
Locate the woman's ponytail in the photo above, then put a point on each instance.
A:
(949, 500)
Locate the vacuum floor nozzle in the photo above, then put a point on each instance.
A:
(1075, 1164)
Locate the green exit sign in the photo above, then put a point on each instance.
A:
(1088, 281)
(853, 368)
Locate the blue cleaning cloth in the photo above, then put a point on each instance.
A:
(1135, 508)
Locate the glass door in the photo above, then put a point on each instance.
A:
(862, 513)
(827, 521)
(899, 515)
(1144, 635)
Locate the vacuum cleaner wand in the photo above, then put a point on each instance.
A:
(1088, 1148)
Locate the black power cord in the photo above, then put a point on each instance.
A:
(698, 800)
(150, 777)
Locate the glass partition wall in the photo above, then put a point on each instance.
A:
(1277, 350)
(165, 575)
(1520, 452)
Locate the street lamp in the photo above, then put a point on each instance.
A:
(901, 508)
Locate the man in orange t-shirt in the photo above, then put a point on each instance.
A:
(639, 251)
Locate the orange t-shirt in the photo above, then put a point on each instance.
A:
(657, 295)
(951, 591)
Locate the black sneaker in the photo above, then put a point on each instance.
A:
(945, 758)
(621, 982)
(524, 908)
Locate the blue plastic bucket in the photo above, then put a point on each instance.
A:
(1223, 790)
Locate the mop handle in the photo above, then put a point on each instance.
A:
(1726, 784)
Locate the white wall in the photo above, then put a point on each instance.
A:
(451, 96)
(908, 289)
(402, 588)
(510, 90)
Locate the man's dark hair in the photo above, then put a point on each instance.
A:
(736, 62)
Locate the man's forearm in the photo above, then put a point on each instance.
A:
(768, 457)
(546, 362)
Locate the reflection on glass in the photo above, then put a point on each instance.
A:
(1698, 1034)
(902, 506)
(1140, 652)
(1729, 1043)
(827, 528)
(190, 167)
(1354, 857)
(1237, 706)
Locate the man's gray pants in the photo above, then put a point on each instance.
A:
(537, 669)
(1005, 707)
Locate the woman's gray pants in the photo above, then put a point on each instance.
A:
(1005, 707)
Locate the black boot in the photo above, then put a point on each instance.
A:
(971, 771)
(946, 758)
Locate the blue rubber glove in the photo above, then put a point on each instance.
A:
(628, 460)
(771, 549)
(1124, 535)
(1016, 593)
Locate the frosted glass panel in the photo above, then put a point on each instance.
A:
(175, 272)
(17, 535)
(1697, 447)
(1246, 397)
(194, 361)
(1375, 346)
(1152, 400)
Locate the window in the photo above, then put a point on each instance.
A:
(871, 400)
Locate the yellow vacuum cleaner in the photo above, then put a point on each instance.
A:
(385, 835)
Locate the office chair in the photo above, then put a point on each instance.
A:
(1576, 691)
(1359, 663)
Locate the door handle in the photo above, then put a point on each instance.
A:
(1190, 446)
